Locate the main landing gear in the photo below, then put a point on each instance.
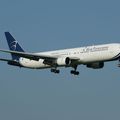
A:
(55, 71)
(74, 72)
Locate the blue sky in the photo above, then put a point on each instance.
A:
(42, 25)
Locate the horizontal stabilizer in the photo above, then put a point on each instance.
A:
(7, 60)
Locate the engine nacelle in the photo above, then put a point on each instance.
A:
(97, 65)
(63, 61)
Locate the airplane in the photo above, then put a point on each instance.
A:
(92, 56)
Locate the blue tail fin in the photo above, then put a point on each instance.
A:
(13, 45)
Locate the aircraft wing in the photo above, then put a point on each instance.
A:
(32, 56)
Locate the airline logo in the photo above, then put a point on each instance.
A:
(13, 45)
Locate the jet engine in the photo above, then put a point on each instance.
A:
(63, 61)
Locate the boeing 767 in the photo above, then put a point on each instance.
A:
(92, 56)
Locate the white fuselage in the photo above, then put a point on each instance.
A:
(86, 55)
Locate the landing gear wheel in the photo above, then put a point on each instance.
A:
(74, 72)
(77, 73)
(55, 71)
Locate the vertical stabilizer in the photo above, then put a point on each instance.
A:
(13, 45)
